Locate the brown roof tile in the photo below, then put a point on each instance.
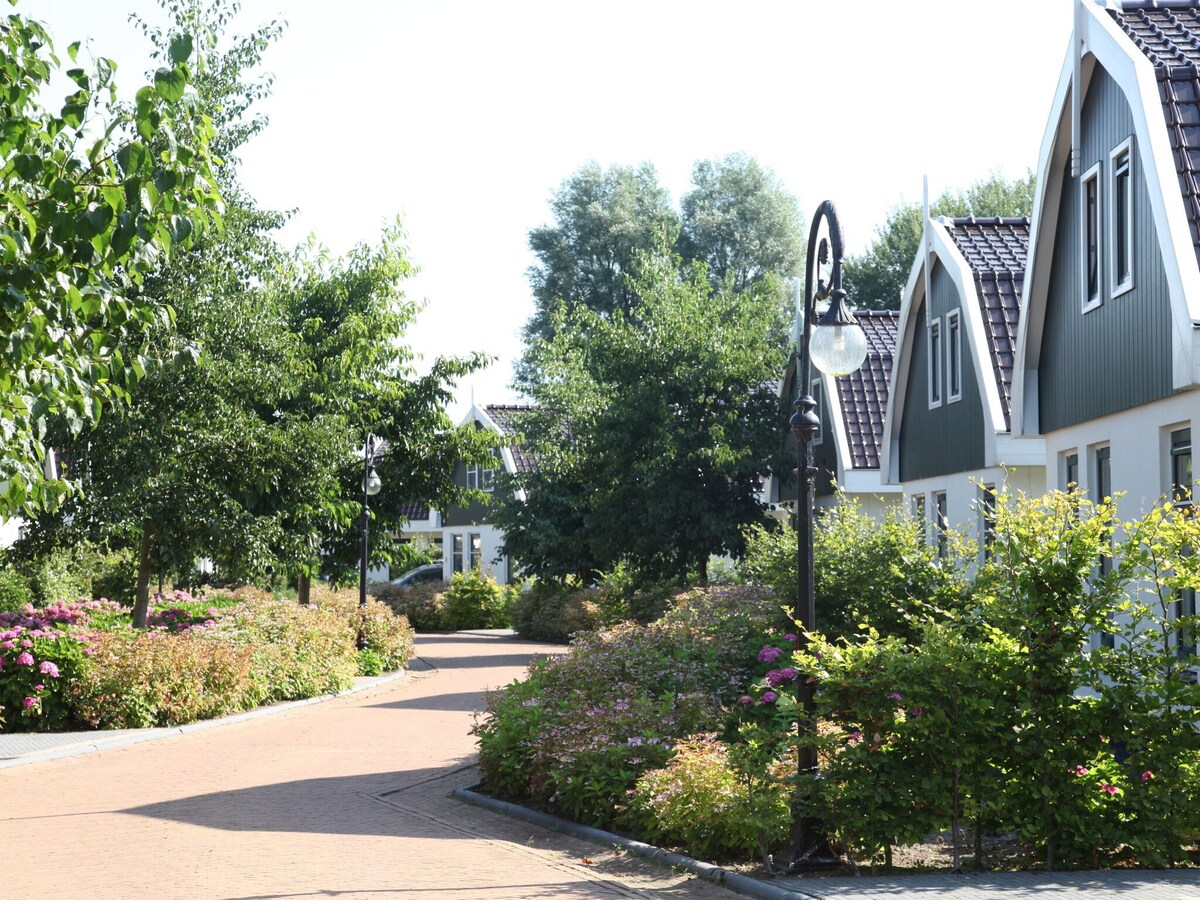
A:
(864, 394)
(508, 420)
(996, 248)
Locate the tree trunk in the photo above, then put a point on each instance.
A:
(704, 570)
(303, 588)
(141, 602)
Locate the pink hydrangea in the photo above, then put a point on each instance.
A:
(49, 668)
(1080, 770)
(25, 659)
(745, 700)
(1108, 788)
(1147, 775)
(769, 697)
(29, 702)
(769, 654)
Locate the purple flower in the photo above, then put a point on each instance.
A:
(635, 742)
(744, 700)
(916, 711)
(792, 638)
(620, 706)
(49, 668)
(25, 659)
(854, 737)
(895, 697)
(769, 654)
(29, 702)
(769, 697)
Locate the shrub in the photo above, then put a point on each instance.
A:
(140, 679)
(475, 600)
(370, 663)
(423, 605)
(537, 612)
(36, 667)
(384, 632)
(15, 591)
(702, 802)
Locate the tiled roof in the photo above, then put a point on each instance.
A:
(864, 393)
(412, 510)
(508, 420)
(995, 248)
(1169, 36)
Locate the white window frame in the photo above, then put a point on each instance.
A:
(934, 367)
(816, 392)
(1125, 149)
(953, 355)
(1088, 300)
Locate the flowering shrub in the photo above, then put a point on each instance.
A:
(423, 605)
(385, 633)
(139, 679)
(36, 665)
(59, 614)
(576, 734)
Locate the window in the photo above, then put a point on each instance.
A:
(1071, 471)
(918, 511)
(815, 393)
(935, 363)
(987, 519)
(1102, 457)
(1120, 218)
(481, 475)
(1181, 466)
(456, 552)
(475, 543)
(953, 357)
(942, 524)
(1090, 235)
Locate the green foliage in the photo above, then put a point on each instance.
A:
(370, 663)
(15, 590)
(704, 803)
(384, 632)
(91, 197)
(475, 600)
(553, 610)
(669, 424)
(36, 680)
(868, 573)
(876, 278)
(423, 605)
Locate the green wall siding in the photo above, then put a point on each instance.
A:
(1118, 355)
(475, 514)
(825, 453)
(948, 438)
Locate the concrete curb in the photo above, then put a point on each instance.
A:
(739, 884)
(260, 712)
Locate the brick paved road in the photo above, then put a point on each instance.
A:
(344, 799)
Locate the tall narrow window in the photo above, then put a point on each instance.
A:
(939, 505)
(1121, 218)
(1071, 470)
(475, 560)
(456, 552)
(953, 357)
(987, 519)
(935, 363)
(1090, 234)
(1102, 459)
(1182, 482)
(918, 511)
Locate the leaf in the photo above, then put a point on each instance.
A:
(171, 83)
(181, 48)
(73, 50)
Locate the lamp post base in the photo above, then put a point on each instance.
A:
(811, 851)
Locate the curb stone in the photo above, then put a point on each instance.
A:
(739, 884)
(99, 743)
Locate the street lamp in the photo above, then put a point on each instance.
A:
(837, 346)
(372, 449)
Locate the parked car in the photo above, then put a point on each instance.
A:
(426, 574)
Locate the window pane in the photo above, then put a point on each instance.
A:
(457, 552)
(1121, 215)
(1093, 246)
(935, 363)
(953, 353)
(476, 561)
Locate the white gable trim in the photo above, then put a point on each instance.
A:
(889, 453)
(837, 421)
(479, 414)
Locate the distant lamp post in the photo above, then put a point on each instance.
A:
(836, 345)
(372, 449)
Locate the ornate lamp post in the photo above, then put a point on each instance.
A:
(836, 345)
(373, 448)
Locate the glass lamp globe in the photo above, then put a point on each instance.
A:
(371, 483)
(838, 349)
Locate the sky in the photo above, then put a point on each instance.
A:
(463, 117)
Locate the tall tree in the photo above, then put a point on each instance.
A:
(741, 223)
(656, 429)
(603, 219)
(91, 197)
(875, 279)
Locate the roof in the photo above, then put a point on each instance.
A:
(995, 248)
(863, 394)
(509, 420)
(1169, 36)
(414, 511)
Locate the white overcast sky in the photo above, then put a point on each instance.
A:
(463, 117)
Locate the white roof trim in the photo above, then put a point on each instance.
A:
(889, 452)
(837, 420)
(479, 414)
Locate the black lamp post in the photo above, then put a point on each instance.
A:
(837, 347)
(371, 484)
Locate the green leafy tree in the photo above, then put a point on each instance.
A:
(875, 279)
(92, 194)
(657, 425)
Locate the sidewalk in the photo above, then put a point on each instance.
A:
(350, 798)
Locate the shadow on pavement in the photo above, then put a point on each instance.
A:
(477, 662)
(467, 701)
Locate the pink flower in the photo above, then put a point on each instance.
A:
(769, 654)
(745, 700)
(39, 687)
(895, 697)
(1147, 775)
(1108, 788)
(29, 702)
(25, 659)
(1080, 770)
(769, 697)
(49, 668)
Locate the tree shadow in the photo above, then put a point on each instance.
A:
(466, 701)
(447, 663)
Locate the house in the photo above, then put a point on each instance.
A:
(851, 409)
(948, 440)
(466, 537)
(1108, 353)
